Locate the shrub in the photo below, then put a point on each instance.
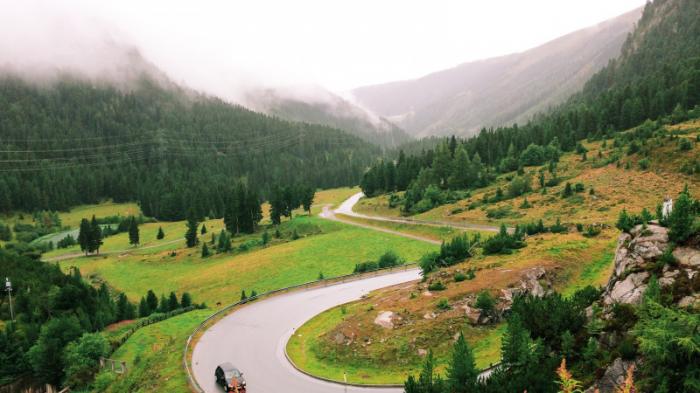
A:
(579, 227)
(591, 231)
(500, 212)
(644, 164)
(443, 304)
(503, 243)
(558, 227)
(525, 204)
(568, 191)
(519, 185)
(485, 302)
(437, 286)
(579, 187)
(389, 259)
(364, 267)
(459, 277)
(685, 144)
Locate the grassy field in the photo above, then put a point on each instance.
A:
(220, 278)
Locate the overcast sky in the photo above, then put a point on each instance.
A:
(223, 45)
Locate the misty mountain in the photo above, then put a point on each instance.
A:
(316, 105)
(72, 139)
(502, 90)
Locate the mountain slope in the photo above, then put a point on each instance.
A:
(73, 141)
(501, 90)
(319, 106)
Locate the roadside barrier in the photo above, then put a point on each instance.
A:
(311, 284)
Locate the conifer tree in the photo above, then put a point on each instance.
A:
(307, 199)
(133, 231)
(151, 301)
(143, 308)
(160, 234)
(84, 237)
(191, 234)
(95, 236)
(205, 250)
(461, 372)
(680, 221)
(186, 300)
(204, 229)
(173, 303)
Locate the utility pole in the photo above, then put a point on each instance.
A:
(8, 288)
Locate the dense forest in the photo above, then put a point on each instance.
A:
(56, 319)
(656, 77)
(172, 151)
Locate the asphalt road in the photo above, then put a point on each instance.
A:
(346, 209)
(254, 337)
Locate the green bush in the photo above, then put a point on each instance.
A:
(437, 286)
(443, 304)
(485, 302)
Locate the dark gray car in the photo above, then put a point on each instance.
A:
(230, 378)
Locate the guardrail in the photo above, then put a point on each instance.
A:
(311, 284)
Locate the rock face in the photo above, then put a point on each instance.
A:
(613, 378)
(533, 282)
(636, 259)
(635, 251)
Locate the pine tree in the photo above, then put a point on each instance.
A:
(84, 237)
(624, 221)
(164, 305)
(461, 372)
(151, 301)
(191, 234)
(161, 234)
(243, 295)
(143, 308)
(205, 250)
(204, 229)
(125, 310)
(95, 236)
(308, 199)
(186, 300)
(680, 221)
(173, 303)
(133, 231)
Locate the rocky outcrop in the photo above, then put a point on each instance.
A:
(533, 282)
(613, 378)
(637, 258)
(635, 252)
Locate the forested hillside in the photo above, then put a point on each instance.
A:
(171, 150)
(657, 77)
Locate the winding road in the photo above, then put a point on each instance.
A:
(254, 337)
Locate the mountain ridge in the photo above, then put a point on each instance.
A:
(498, 91)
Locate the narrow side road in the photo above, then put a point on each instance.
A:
(346, 208)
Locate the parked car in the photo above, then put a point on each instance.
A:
(230, 378)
